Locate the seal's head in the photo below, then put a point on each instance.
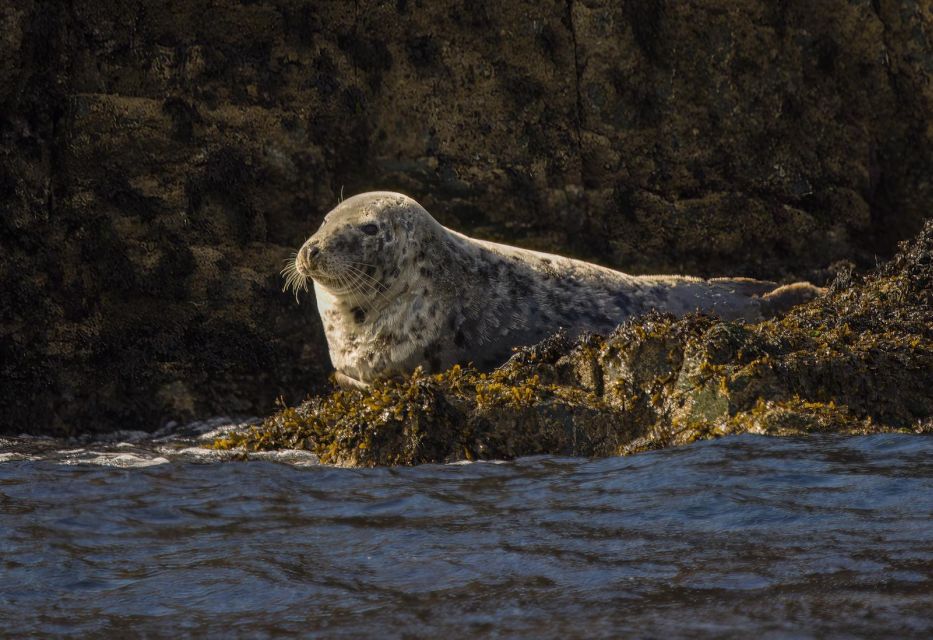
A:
(362, 246)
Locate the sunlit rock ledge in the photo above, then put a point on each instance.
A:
(857, 360)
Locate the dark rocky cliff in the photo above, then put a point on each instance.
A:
(159, 160)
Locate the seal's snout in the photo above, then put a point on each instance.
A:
(308, 257)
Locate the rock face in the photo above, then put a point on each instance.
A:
(858, 359)
(159, 160)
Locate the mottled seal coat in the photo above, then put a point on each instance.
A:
(396, 289)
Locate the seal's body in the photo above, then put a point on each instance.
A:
(397, 290)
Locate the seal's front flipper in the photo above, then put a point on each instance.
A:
(347, 382)
(744, 287)
(781, 299)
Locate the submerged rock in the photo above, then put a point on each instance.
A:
(857, 360)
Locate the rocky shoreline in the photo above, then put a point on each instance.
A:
(857, 360)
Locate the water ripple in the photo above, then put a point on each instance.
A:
(783, 537)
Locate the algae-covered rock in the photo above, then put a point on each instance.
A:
(856, 360)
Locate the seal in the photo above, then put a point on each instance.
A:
(396, 290)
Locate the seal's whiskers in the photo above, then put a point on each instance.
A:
(360, 287)
(378, 285)
(356, 292)
(351, 290)
(366, 265)
(373, 286)
(293, 279)
(364, 278)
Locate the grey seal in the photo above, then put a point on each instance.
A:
(396, 290)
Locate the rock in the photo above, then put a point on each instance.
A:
(159, 160)
(856, 360)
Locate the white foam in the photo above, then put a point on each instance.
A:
(130, 449)
(296, 457)
(120, 460)
(224, 430)
(201, 453)
(12, 456)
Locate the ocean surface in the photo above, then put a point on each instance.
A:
(740, 537)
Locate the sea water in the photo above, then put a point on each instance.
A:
(780, 538)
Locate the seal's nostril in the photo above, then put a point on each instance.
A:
(313, 252)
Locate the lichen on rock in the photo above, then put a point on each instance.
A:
(856, 360)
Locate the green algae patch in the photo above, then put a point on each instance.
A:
(856, 360)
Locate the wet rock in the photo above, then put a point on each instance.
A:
(856, 360)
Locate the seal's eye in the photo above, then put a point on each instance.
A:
(370, 229)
